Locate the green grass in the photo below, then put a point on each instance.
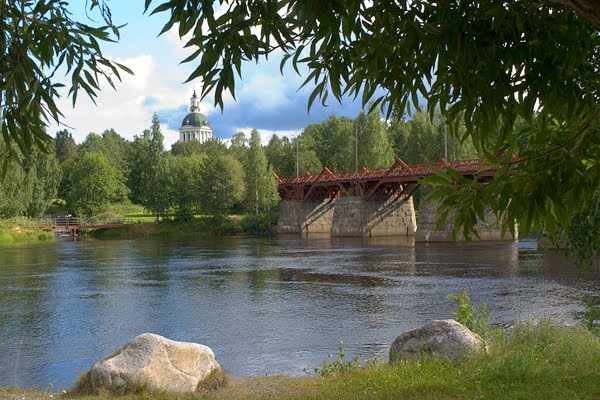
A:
(197, 227)
(126, 208)
(534, 362)
(138, 229)
(13, 235)
(540, 361)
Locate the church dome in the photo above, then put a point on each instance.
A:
(195, 119)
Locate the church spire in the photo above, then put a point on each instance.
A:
(195, 103)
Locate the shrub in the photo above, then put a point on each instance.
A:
(256, 224)
(220, 225)
(590, 317)
(477, 319)
(340, 365)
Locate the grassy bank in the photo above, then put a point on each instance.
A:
(199, 226)
(532, 362)
(14, 235)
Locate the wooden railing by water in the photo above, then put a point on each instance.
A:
(72, 224)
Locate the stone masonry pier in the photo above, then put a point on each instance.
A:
(310, 217)
(348, 216)
(356, 217)
(489, 229)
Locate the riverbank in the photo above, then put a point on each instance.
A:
(202, 226)
(13, 235)
(540, 361)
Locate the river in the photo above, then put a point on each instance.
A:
(275, 305)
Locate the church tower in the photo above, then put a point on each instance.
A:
(195, 125)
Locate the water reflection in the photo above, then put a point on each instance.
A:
(265, 305)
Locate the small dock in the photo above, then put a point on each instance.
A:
(74, 225)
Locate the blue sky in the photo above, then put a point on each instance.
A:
(266, 100)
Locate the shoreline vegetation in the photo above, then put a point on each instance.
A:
(146, 225)
(10, 235)
(198, 226)
(531, 361)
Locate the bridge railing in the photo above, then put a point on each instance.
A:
(396, 170)
(67, 221)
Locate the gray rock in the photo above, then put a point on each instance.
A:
(443, 339)
(160, 363)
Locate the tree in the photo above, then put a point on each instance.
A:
(15, 188)
(239, 146)
(261, 186)
(305, 156)
(281, 156)
(420, 139)
(44, 170)
(65, 146)
(374, 149)
(38, 39)
(158, 188)
(485, 64)
(186, 187)
(91, 184)
(116, 150)
(150, 178)
(188, 148)
(139, 158)
(222, 178)
(30, 184)
(334, 142)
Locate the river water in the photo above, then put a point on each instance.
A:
(272, 305)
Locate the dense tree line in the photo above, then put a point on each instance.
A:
(30, 182)
(343, 144)
(192, 178)
(208, 178)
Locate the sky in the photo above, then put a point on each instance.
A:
(266, 100)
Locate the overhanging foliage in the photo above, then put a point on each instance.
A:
(521, 76)
(38, 40)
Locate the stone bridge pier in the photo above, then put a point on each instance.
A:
(305, 217)
(348, 216)
(356, 217)
(488, 229)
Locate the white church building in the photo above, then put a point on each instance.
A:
(195, 125)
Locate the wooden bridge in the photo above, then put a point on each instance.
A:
(400, 179)
(73, 225)
(378, 202)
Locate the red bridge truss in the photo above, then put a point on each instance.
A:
(400, 180)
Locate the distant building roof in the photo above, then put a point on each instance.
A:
(195, 118)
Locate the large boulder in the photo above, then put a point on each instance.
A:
(155, 362)
(443, 339)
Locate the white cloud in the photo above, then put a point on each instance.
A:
(129, 108)
(268, 91)
(171, 136)
(172, 35)
(142, 67)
